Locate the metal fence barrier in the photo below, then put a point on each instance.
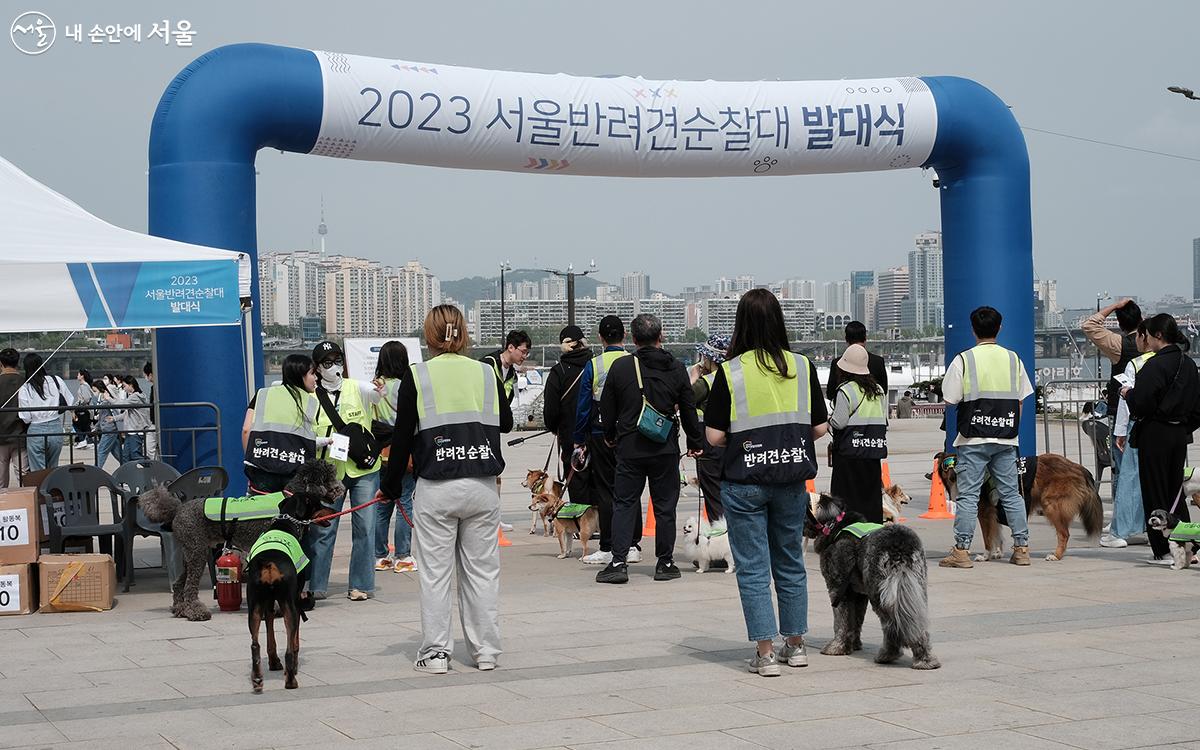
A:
(174, 443)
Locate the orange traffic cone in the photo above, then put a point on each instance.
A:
(811, 486)
(937, 499)
(704, 512)
(504, 542)
(648, 528)
(886, 474)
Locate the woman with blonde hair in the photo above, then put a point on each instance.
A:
(449, 417)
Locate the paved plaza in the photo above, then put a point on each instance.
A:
(1089, 652)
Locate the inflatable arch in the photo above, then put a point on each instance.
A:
(235, 100)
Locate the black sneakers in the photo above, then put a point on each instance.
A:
(666, 570)
(614, 572)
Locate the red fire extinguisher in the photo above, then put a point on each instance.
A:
(229, 581)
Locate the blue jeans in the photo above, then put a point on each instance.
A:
(109, 444)
(1000, 461)
(766, 527)
(383, 517)
(1129, 515)
(44, 451)
(320, 539)
(132, 449)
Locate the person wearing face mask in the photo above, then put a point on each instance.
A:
(353, 402)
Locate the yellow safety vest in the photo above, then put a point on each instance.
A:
(770, 426)
(865, 433)
(282, 437)
(991, 405)
(600, 367)
(352, 410)
(458, 419)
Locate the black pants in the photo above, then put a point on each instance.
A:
(858, 483)
(577, 486)
(632, 475)
(708, 472)
(1162, 452)
(601, 473)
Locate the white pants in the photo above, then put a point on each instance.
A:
(152, 445)
(456, 523)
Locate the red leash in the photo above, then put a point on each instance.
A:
(367, 504)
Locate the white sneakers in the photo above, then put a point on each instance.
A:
(597, 558)
(633, 556)
(405, 564)
(506, 527)
(1113, 542)
(438, 663)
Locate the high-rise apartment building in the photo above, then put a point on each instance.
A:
(835, 297)
(799, 316)
(635, 285)
(798, 289)
(892, 286)
(923, 310)
(355, 298)
(1045, 292)
(410, 292)
(292, 286)
(866, 299)
(860, 279)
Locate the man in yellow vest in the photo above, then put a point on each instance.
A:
(589, 437)
(989, 384)
(504, 362)
(352, 402)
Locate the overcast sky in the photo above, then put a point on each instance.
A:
(1104, 219)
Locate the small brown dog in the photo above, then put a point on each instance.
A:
(536, 481)
(549, 503)
(894, 500)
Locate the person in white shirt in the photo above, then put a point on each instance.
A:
(989, 384)
(45, 396)
(1129, 515)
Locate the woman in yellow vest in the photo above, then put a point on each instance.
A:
(766, 408)
(279, 434)
(859, 423)
(353, 402)
(390, 371)
(449, 417)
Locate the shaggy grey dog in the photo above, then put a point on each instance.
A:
(196, 535)
(886, 568)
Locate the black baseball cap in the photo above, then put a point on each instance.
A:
(611, 328)
(570, 334)
(327, 350)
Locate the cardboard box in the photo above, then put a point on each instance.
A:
(77, 583)
(18, 526)
(17, 590)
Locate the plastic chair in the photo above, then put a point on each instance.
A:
(134, 478)
(79, 487)
(1096, 429)
(197, 484)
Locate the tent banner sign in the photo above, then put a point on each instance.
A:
(469, 118)
(166, 294)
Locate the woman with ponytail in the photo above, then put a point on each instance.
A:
(1164, 404)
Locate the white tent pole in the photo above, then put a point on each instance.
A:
(158, 442)
(248, 338)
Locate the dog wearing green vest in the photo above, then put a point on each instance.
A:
(201, 525)
(883, 565)
(1183, 538)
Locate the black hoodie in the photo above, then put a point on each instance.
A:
(562, 393)
(668, 389)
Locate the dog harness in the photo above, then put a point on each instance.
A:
(1185, 532)
(861, 529)
(281, 541)
(572, 511)
(250, 508)
(1187, 473)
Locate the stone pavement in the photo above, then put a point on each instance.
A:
(1079, 653)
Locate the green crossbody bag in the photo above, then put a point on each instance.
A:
(651, 423)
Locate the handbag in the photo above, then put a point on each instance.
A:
(364, 448)
(652, 423)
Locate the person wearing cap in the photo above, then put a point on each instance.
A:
(601, 459)
(504, 362)
(859, 422)
(856, 333)
(353, 402)
(709, 357)
(560, 399)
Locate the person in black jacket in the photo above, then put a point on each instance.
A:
(666, 387)
(856, 333)
(506, 361)
(559, 400)
(1164, 404)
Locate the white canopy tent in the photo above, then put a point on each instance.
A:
(63, 269)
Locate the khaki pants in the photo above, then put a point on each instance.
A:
(14, 454)
(456, 523)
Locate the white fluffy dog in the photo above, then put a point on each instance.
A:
(707, 542)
